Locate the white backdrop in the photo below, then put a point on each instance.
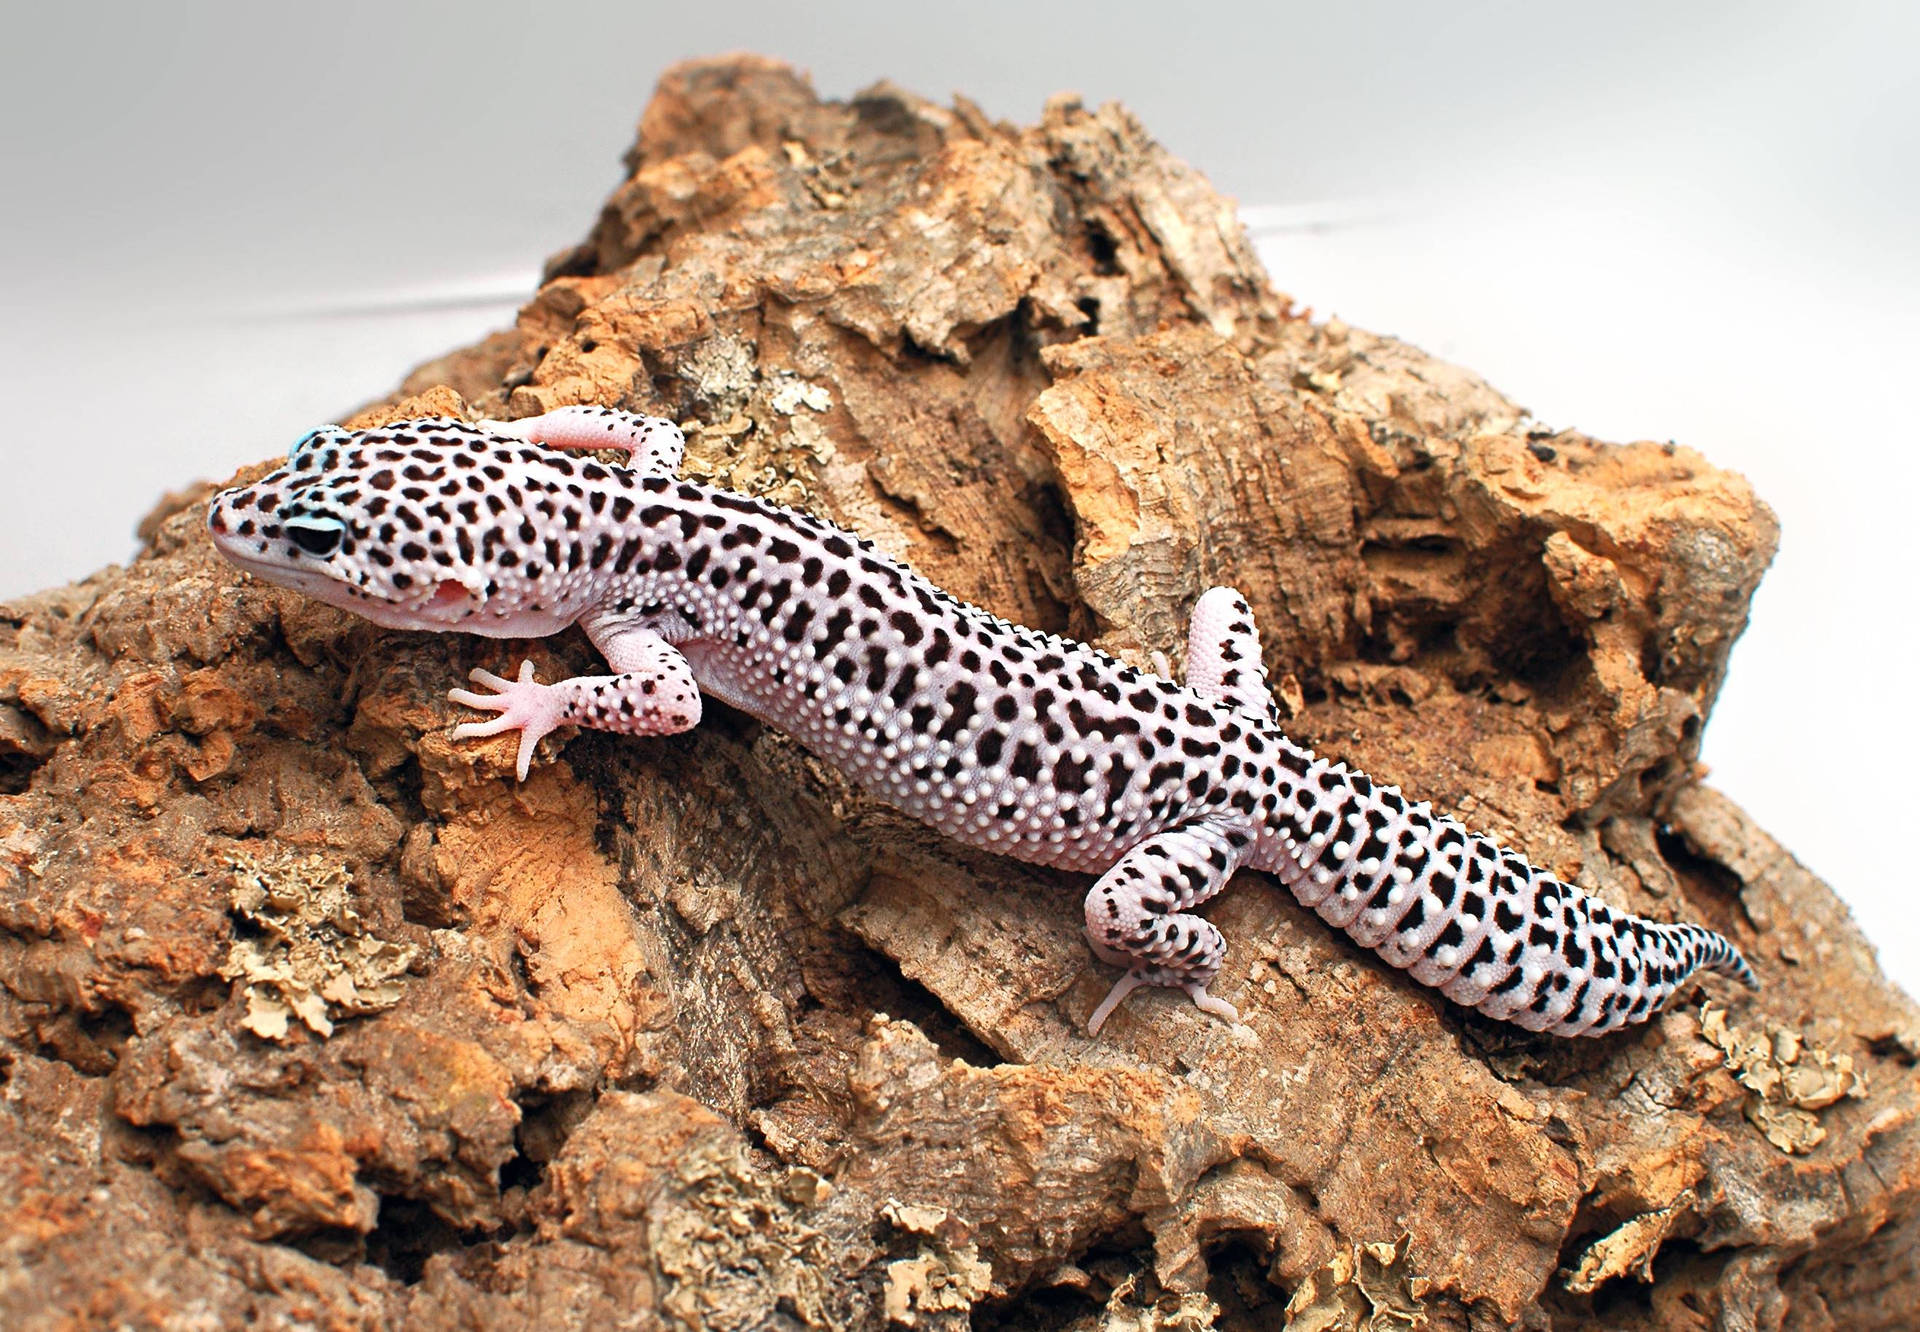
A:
(226, 223)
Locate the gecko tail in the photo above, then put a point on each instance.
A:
(1470, 918)
(1726, 959)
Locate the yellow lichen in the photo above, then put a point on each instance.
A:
(1362, 1288)
(310, 955)
(1628, 1249)
(1786, 1079)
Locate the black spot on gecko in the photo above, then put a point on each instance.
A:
(1025, 761)
(907, 626)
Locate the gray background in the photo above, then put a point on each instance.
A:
(224, 223)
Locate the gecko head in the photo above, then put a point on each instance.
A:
(395, 525)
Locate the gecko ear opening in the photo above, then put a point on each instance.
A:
(310, 443)
(451, 592)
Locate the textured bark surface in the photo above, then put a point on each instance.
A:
(309, 1016)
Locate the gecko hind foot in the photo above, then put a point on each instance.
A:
(1133, 980)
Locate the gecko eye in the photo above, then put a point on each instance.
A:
(318, 536)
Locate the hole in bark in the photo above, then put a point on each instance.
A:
(1237, 1282)
(16, 772)
(1693, 869)
(1650, 661)
(546, 1122)
(1537, 659)
(25, 744)
(522, 1172)
(1047, 1309)
(1424, 543)
(912, 349)
(1891, 1047)
(1628, 1300)
(1049, 505)
(1090, 307)
(884, 988)
(589, 344)
(575, 261)
(1589, 1224)
(409, 1233)
(1104, 250)
(88, 1042)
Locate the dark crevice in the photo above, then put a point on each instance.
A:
(16, 773)
(409, 1233)
(522, 1172)
(912, 349)
(1692, 868)
(546, 1122)
(1624, 1299)
(574, 261)
(1237, 1282)
(1539, 658)
(1103, 249)
(1428, 543)
(1589, 1224)
(1895, 1047)
(889, 990)
(1046, 1309)
(1652, 663)
(88, 1043)
(1049, 505)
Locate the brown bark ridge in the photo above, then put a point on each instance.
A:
(310, 1017)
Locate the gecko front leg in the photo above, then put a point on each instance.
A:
(654, 694)
(655, 444)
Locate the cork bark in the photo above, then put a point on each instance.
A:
(309, 1016)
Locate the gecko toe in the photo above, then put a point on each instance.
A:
(1123, 987)
(1208, 1003)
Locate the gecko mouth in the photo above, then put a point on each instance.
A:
(443, 607)
(245, 552)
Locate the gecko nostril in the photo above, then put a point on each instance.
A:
(216, 520)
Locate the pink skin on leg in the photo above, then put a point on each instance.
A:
(525, 705)
(654, 694)
(655, 444)
(1223, 654)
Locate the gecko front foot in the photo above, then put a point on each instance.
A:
(525, 705)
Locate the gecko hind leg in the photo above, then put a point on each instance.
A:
(1223, 655)
(1137, 917)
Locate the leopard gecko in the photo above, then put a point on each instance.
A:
(1002, 737)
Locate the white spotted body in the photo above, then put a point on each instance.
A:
(1015, 741)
